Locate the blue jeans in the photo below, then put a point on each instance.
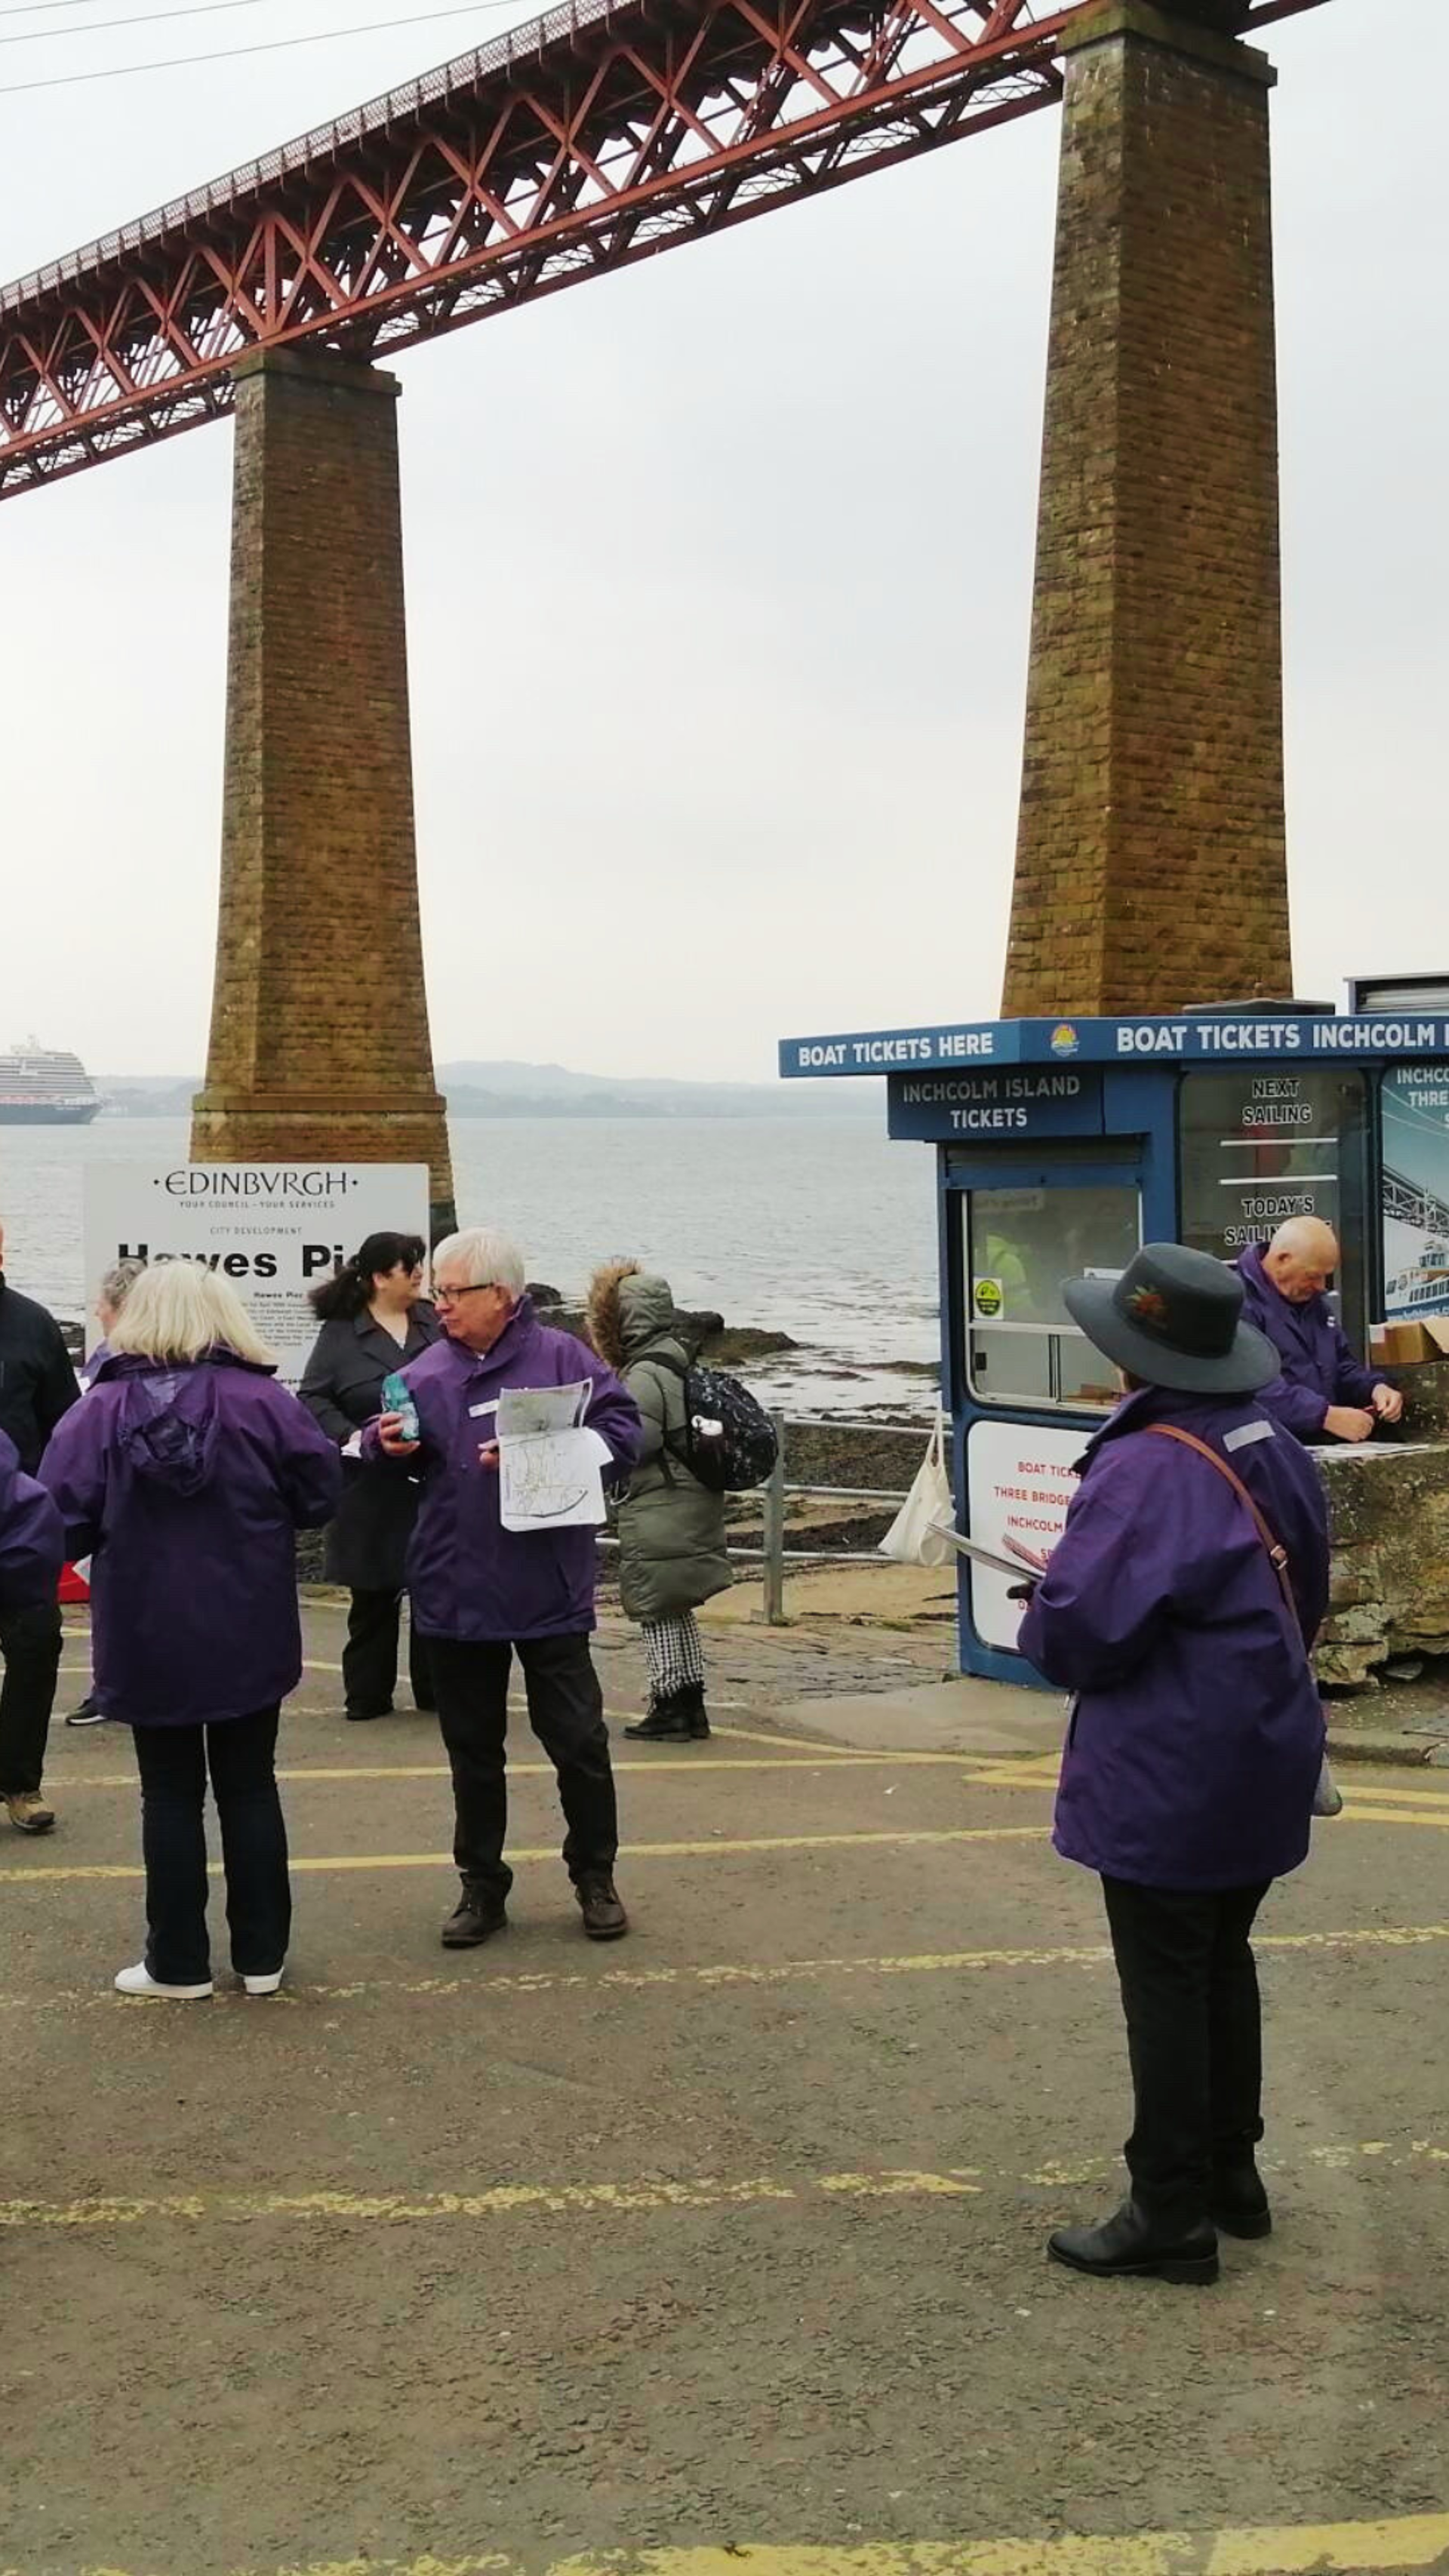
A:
(240, 1755)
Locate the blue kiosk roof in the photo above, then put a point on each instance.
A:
(1187, 1037)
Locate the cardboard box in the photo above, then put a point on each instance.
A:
(1405, 1345)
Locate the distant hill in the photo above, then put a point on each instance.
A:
(503, 1089)
(509, 1090)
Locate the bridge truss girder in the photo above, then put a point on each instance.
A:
(596, 137)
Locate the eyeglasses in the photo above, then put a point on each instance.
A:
(450, 1296)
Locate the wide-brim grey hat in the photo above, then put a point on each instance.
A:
(1174, 1318)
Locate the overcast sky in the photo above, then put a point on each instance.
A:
(719, 579)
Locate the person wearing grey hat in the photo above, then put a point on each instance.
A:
(1196, 1733)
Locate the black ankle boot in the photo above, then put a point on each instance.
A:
(1239, 2201)
(692, 1697)
(667, 1721)
(1134, 2244)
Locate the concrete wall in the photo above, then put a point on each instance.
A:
(1390, 1514)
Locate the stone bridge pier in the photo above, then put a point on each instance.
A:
(1151, 861)
(320, 1046)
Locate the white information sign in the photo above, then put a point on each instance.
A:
(1017, 1480)
(272, 1231)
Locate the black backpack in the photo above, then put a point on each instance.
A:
(728, 1442)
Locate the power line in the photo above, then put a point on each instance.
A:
(235, 53)
(44, 8)
(57, 35)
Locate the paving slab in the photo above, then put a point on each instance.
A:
(958, 1715)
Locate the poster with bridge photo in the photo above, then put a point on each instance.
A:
(272, 1231)
(1416, 1190)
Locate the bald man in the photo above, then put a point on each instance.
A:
(1324, 1393)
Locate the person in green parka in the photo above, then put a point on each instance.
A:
(671, 1527)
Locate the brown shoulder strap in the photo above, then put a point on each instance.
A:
(1277, 1552)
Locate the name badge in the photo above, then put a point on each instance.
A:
(476, 1410)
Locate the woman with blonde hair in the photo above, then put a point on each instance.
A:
(184, 1475)
(671, 1527)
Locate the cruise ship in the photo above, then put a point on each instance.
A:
(39, 1089)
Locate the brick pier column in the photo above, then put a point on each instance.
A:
(319, 1024)
(1151, 864)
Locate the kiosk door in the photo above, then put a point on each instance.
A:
(1028, 1387)
(1019, 1234)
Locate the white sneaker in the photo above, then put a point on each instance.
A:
(265, 1985)
(139, 1981)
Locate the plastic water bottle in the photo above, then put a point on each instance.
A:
(397, 1398)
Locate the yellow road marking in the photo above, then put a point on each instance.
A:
(629, 1716)
(1329, 2549)
(1292, 2549)
(631, 2198)
(628, 1765)
(501, 2200)
(712, 1850)
(639, 2196)
(1370, 1785)
(1358, 1811)
(724, 1973)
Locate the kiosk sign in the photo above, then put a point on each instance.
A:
(1019, 1482)
(1221, 1037)
(1006, 1107)
(1416, 1190)
(272, 1231)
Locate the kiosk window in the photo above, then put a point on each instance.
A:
(1017, 1246)
(1258, 1148)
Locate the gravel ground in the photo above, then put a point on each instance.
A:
(729, 2234)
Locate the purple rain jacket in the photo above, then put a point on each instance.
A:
(1196, 1734)
(468, 1576)
(32, 1539)
(90, 1369)
(1319, 1369)
(185, 1486)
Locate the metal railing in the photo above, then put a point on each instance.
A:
(772, 1556)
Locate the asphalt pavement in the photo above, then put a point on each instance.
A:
(720, 2248)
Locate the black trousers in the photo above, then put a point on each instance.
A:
(30, 1644)
(566, 1713)
(1194, 2035)
(369, 1658)
(240, 1755)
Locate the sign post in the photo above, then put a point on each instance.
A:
(273, 1232)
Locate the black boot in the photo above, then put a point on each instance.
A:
(667, 1722)
(478, 1914)
(1135, 2244)
(1239, 2201)
(604, 1915)
(692, 1697)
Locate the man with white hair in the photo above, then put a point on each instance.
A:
(1324, 1393)
(481, 1593)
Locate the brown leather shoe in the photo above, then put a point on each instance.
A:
(604, 1916)
(477, 1915)
(28, 1811)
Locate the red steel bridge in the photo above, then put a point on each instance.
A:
(597, 135)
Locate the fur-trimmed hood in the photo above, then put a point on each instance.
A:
(628, 1310)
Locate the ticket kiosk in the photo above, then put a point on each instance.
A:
(1060, 1146)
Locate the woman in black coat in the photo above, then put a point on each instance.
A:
(374, 1320)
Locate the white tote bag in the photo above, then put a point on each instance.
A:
(910, 1538)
